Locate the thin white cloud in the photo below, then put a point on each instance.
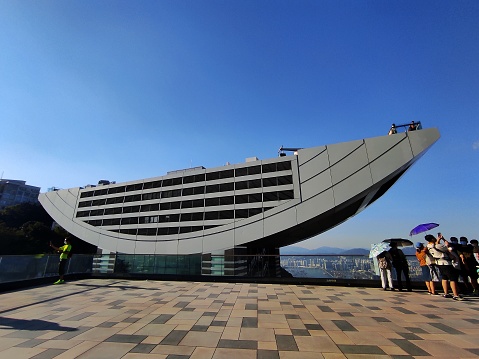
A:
(475, 145)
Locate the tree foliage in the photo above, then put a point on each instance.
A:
(27, 229)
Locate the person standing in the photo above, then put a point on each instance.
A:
(401, 266)
(384, 264)
(422, 257)
(440, 252)
(466, 254)
(64, 251)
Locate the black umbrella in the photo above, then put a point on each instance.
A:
(400, 242)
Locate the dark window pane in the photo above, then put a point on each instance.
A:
(226, 200)
(162, 231)
(241, 213)
(212, 188)
(268, 182)
(241, 185)
(212, 176)
(187, 191)
(254, 211)
(176, 181)
(165, 206)
(96, 212)
(226, 214)
(254, 183)
(285, 180)
(115, 210)
(241, 199)
(254, 170)
(198, 203)
(172, 230)
(185, 217)
(212, 202)
(120, 189)
(282, 166)
(134, 187)
(185, 229)
(197, 216)
(270, 167)
(175, 205)
(167, 182)
(95, 222)
(111, 222)
(224, 187)
(241, 172)
(101, 192)
(270, 196)
(199, 190)
(98, 202)
(211, 215)
(286, 195)
(200, 178)
(187, 204)
(188, 179)
(227, 174)
(83, 214)
(87, 194)
(255, 197)
(114, 200)
(131, 209)
(84, 204)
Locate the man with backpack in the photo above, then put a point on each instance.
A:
(443, 259)
(65, 254)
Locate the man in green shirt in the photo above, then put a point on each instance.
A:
(64, 255)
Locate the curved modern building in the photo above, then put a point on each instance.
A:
(257, 206)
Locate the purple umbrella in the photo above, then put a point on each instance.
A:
(423, 228)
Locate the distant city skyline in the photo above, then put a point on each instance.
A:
(123, 91)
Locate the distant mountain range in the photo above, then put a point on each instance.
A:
(294, 250)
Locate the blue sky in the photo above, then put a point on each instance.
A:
(125, 90)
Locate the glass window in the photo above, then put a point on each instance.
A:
(114, 210)
(95, 222)
(227, 214)
(254, 170)
(241, 213)
(198, 203)
(162, 231)
(254, 183)
(131, 231)
(133, 198)
(87, 194)
(241, 185)
(131, 209)
(134, 187)
(212, 202)
(286, 195)
(227, 173)
(98, 202)
(270, 167)
(209, 216)
(212, 176)
(169, 218)
(199, 190)
(111, 222)
(114, 200)
(185, 217)
(147, 231)
(283, 180)
(96, 212)
(84, 204)
(153, 184)
(188, 179)
(172, 230)
(268, 182)
(226, 200)
(241, 199)
(212, 188)
(129, 220)
(254, 211)
(116, 189)
(83, 214)
(255, 197)
(187, 204)
(187, 192)
(241, 172)
(270, 196)
(101, 192)
(224, 187)
(176, 181)
(150, 207)
(197, 216)
(283, 166)
(200, 178)
(167, 182)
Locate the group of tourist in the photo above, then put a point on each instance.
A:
(440, 260)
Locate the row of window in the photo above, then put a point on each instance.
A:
(162, 231)
(183, 217)
(222, 187)
(197, 203)
(231, 173)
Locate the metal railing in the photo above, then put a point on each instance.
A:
(329, 267)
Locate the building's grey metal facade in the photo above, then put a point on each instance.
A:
(243, 207)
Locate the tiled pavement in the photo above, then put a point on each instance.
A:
(108, 318)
